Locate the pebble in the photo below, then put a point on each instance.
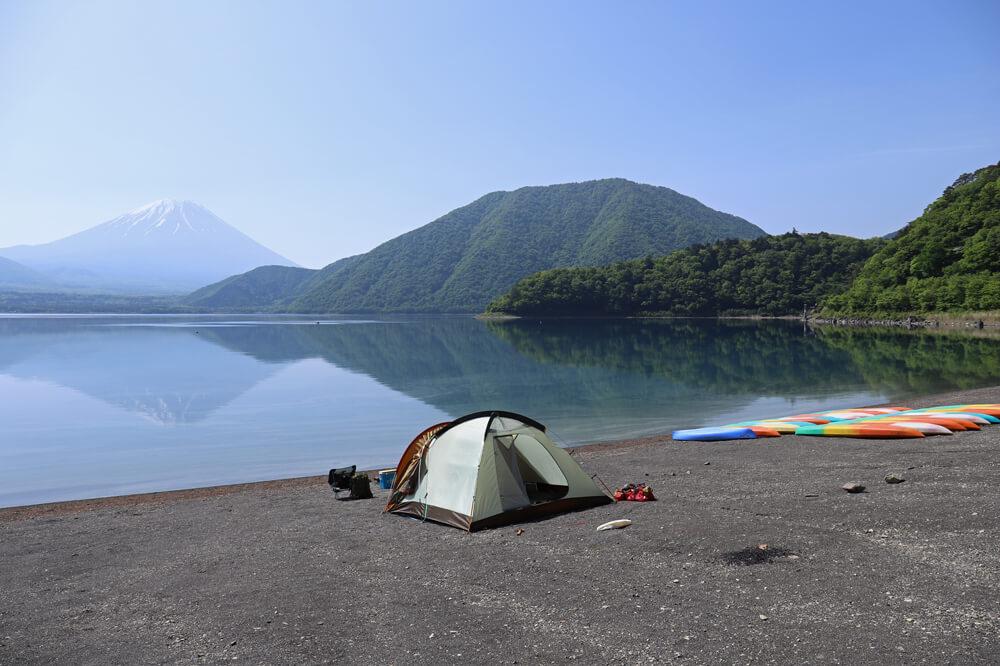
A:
(892, 478)
(853, 487)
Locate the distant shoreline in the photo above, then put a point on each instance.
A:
(989, 319)
(931, 321)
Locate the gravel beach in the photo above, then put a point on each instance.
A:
(281, 573)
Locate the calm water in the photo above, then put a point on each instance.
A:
(104, 406)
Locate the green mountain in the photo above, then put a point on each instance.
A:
(461, 261)
(773, 275)
(947, 259)
(271, 285)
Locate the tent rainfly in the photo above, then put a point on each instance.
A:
(489, 469)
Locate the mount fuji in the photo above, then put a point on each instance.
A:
(163, 247)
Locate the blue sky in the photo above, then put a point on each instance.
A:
(323, 128)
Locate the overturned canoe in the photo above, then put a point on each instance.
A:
(993, 412)
(765, 431)
(953, 424)
(981, 418)
(860, 430)
(972, 406)
(848, 415)
(923, 426)
(868, 410)
(815, 419)
(713, 434)
(781, 427)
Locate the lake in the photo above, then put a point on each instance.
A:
(97, 406)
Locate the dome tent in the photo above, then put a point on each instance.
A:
(488, 469)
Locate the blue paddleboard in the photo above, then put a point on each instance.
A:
(713, 434)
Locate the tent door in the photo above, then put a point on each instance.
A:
(510, 485)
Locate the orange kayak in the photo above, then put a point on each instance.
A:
(763, 431)
(950, 423)
(979, 409)
(862, 430)
(805, 418)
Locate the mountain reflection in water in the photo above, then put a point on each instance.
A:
(104, 405)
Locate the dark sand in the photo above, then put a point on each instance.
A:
(281, 573)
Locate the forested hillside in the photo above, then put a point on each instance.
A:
(461, 261)
(947, 259)
(774, 275)
(272, 285)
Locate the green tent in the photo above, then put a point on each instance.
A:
(488, 469)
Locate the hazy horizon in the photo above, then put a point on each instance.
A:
(322, 130)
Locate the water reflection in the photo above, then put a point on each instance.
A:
(233, 399)
(166, 374)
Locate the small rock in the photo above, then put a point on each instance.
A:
(519, 531)
(893, 478)
(853, 487)
(762, 617)
(708, 463)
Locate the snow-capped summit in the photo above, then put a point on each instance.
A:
(168, 216)
(166, 246)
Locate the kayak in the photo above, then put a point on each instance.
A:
(815, 419)
(765, 431)
(848, 415)
(952, 424)
(977, 417)
(862, 430)
(869, 410)
(713, 434)
(781, 427)
(922, 426)
(967, 409)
